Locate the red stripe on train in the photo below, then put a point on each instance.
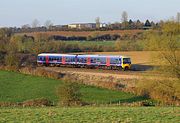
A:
(88, 61)
(63, 60)
(107, 61)
(47, 59)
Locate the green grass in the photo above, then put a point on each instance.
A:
(92, 114)
(16, 87)
(87, 43)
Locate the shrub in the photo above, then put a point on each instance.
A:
(29, 103)
(2, 55)
(165, 91)
(69, 93)
(37, 103)
(12, 59)
(128, 45)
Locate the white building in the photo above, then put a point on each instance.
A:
(82, 25)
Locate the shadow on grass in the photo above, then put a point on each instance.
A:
(130, 100)
(139, 67)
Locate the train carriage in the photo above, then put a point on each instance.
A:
(106, 61)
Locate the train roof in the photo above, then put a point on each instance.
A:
(56, 54)
(105, 56)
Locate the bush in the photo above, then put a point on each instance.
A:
(69, 93)
(12, 59)
(41, 102)
(165, 91)
(2, 56)
(37, 103)
(127, 45)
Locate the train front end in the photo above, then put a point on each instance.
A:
(126, 63)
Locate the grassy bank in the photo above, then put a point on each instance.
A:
(16, 87)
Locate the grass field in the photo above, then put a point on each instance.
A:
(92, 115)
(15, 87)
(90, 43)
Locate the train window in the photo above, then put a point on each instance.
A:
(60, 58)
(40, 58)
(66, 59)
(72, 59)
(85, 60)
(98, 60)
(126, 60)
(43, 58)
(117, 61)
(120, 60)
(94, 59)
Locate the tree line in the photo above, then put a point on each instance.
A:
(130, 25)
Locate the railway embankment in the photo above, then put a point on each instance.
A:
(105, 79)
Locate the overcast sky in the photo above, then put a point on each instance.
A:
(20, 12)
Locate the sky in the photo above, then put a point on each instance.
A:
(21, 12)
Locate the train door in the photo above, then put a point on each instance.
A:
(108, 61)
(76, 59)
(63, 60)
(120, 61)
(47, 60)
(88, 60)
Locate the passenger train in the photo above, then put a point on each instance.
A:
(99, 61)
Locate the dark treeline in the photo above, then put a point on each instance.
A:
(83, 38)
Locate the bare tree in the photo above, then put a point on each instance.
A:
(48, 24)
(166, 42)
(178, 17)
(124, 16)
(97, 22)
(124, 19)
(35, 23)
